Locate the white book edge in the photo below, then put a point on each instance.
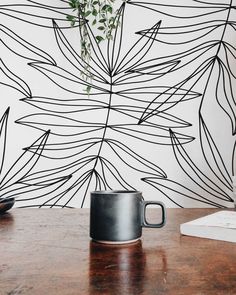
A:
(217, 226)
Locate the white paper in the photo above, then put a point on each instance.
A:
(225, 219)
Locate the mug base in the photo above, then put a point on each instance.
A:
(116, 242)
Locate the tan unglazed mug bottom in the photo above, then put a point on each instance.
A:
(116, 242)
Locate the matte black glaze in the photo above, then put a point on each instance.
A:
(119, 215)
(6, 204)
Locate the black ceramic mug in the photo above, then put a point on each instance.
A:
(118, 216)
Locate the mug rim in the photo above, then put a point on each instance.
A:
(116, 192)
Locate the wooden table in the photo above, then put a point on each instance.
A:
(48, 251)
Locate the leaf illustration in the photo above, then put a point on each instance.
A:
(38, 15)
(193, 172)
(145, 74)
(128, 156)
(136, 98)
(64, 79)
(19, 170)
(213, 157)
(170, 97)
(137, 51)
(158, 95)
(230, 55)
(3, 134)
(60, 125)
(86, 139)
(8, 78)
(16, 182)
(184, 10)
(212, 193)
(74, 58)
(23, 191)
(68, 106)
(224, 94)
(72, 148)
(21, 47)
(179, 194)
(152, 134)
(162, 119)
(188, 33)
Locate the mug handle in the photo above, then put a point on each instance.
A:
(144, 219)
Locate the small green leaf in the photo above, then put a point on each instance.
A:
(105, 7)
(88, 89)
(109, 9)
(87, 13)
(70, 17)
(95, 12)
(73, 3)
(111, 19)
(99, 38)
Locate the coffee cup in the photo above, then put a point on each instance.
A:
(118, 216)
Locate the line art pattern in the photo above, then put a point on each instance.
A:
(140, 97)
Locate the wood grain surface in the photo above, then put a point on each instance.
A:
(48, 251)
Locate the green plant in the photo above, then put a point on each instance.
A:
(99, 14)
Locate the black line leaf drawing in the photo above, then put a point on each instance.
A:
(213, 193)
(184, 10)
(21, 47)
(212, 59)
(178, 193)
(9, 79)
(136, 53)
(37, 13)
(224, 93)
(213, 157)
(18, 181)
(3, 132)
(63, 78)
(210, 54)
(134, 101)
(233, 159)
(92, 134)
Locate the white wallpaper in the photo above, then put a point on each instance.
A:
(160, 117)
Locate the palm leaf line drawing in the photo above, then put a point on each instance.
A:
(88, 167)
(15, 182)
(9, 79)
(75, 59)
(225, 76)
(200, 178)
(170, 186)
(209, 63)
(3, 135)
(212, 192)
(21, 47)
(184, 11)
(198, 74)
(189, 31)
(32, 13)
(219, 163)
(142, 113)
